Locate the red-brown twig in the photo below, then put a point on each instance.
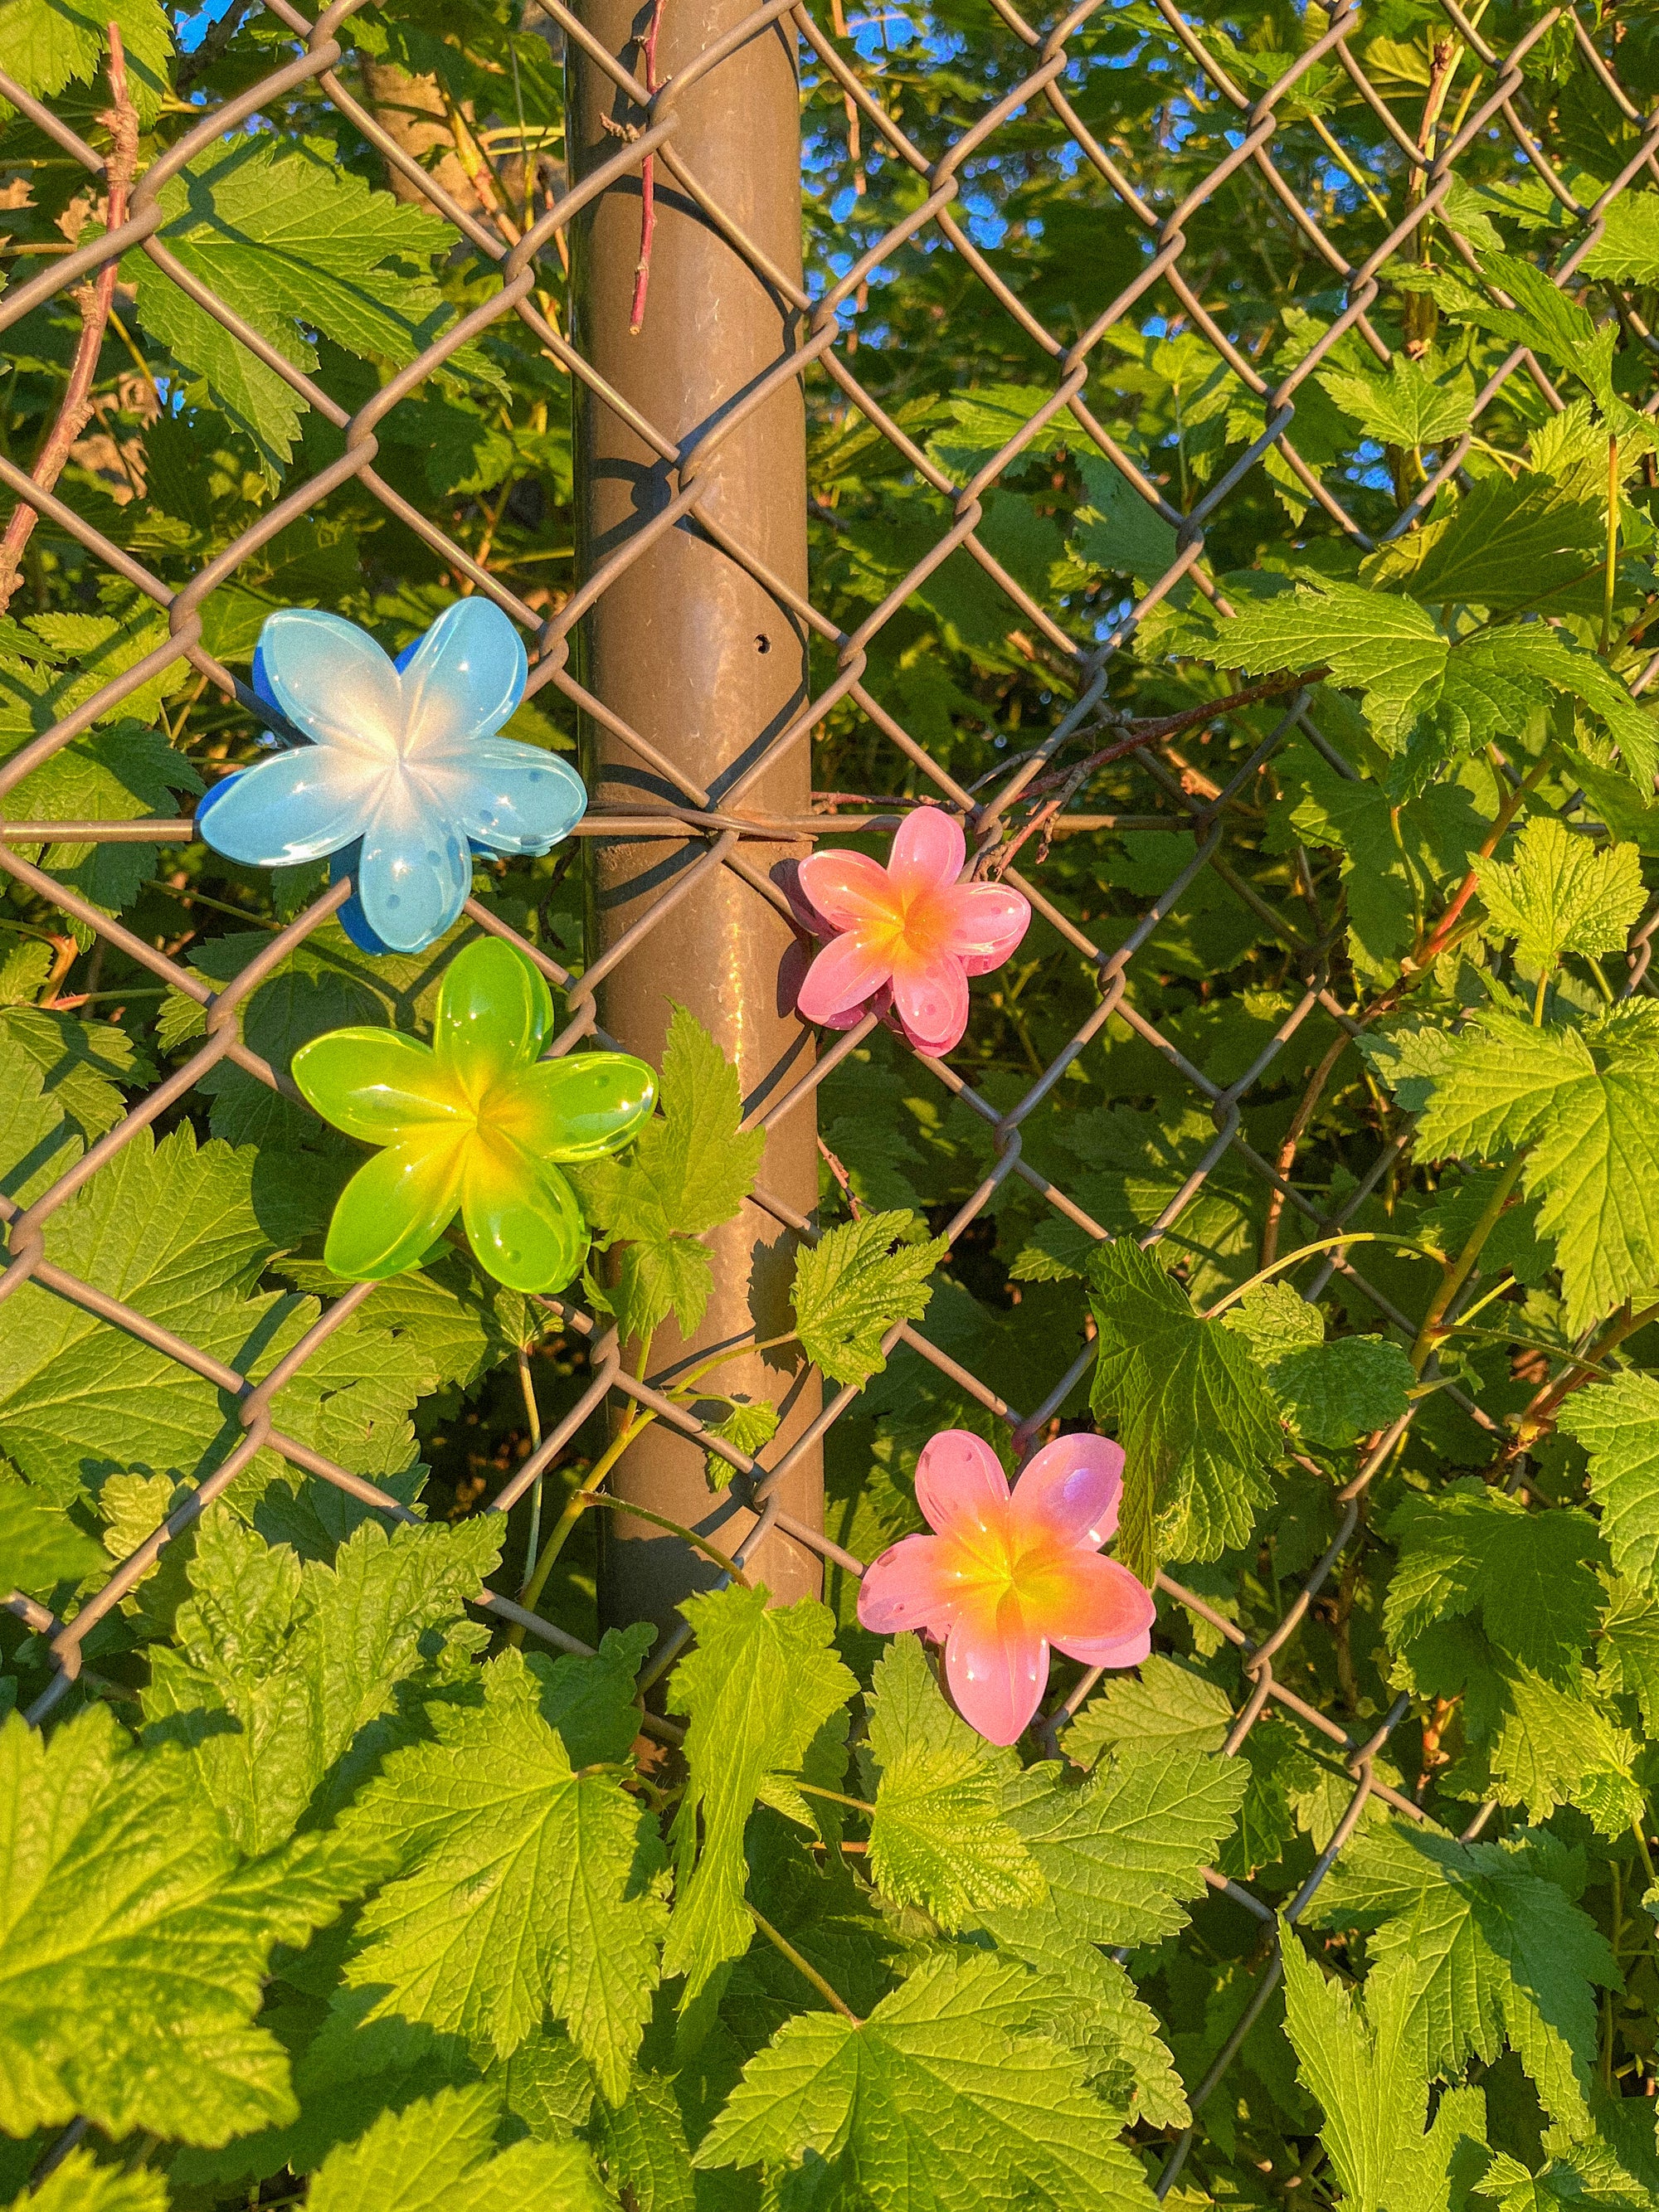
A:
(647, 188)
(1151, 731)
(94, 301)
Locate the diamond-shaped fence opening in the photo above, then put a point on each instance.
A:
(1238, 227)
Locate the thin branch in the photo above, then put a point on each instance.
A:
(648, 187)
(804, 1966)
(94, 300)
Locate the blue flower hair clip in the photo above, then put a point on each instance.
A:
(405, 775)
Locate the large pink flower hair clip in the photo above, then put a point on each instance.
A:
(905, 938)
(1008, 1575)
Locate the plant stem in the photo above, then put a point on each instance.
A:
(94, 300)
(532, 1412)
(804, 1966)
(572, 1511)
(1320, 1244)
(1612, 543)
(857, 1804)
(1463, 1266)
(647, 186)
(722, 1560)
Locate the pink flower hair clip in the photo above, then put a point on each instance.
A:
(904, 939)
(1008, 1575)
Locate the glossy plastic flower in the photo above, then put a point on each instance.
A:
(405, 771)
(907, 936)
(1006, 1576)
(473, 1123)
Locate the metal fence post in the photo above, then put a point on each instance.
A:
(685, 649)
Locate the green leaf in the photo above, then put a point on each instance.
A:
(1468, 1548)
(1114, 529)
(1489, 1948)
(1512, 2188)
(1628, 248)
(1618, 1424)
(81, 2185)
(854, 1285)
(297, 245)
(1630, 1649)
(49, 44)
(282, 1664)
(123, 1902)
(1330, 1394)
(1099, 2014)
(1123, 1852)
(758, 1687)
(521, 1885)
(1168, 1704)
(692, 1166)
(442, 2152)
(39, 1545)
(1586, 1103)
(939, 1837)
(1370, 641)
(1406, 407)
(986, 418)
(1362, 2068)
(1509, 542)
(942, 2096)
(644, 2148)
(750, 1423)
(1193, 1415)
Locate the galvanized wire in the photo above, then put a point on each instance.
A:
(736, 839)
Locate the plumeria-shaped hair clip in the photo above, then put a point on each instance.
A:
(1007, 1574)
(906, 937)
(473, 1123)
(405, 772)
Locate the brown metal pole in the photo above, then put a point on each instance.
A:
(686, 649)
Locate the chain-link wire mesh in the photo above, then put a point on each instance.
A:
(1265, 146)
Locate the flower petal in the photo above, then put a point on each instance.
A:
(988, 921)
(907, 1588)
(494, 1014)
(298, 805)
(848, 889)
(522, 1220)
(375, 1084)
(928, 850)
(1072, 1488)
(415, 872)
(846, 973)
(1109, 1616)
(960, 1485)
(518, 798)
(930, 997)
(464, 679)
(997, 1670)
(578, 1108)
(332, 681)
(394, 1206)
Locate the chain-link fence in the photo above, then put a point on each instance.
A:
(1256, 151)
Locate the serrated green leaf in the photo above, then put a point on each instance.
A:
(1370, 641)
(1406, 407)
(1192, 1413)
(758, 1687)
(692, 1166)
(1097, 2013)
(1586, 1103)
(521, 1885)
(1468, 1548)
(281, 1663)
(40, 1545)
(1361, 2066)
(1509, 542)
(1630, 1649)
(854, 1284)
(49, 44)
(1114, 529)
(1628, 248)
(944, 2090)
(644, 2148)
(442, 2152)
(123, 1901)
(939, 1837)
(1491, 1950)
(1618, 1424)
(1124, 1852)
(1331, 1393)
(1168, 1704)
(79, 2184)
(750, 1423)
(296, 245)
